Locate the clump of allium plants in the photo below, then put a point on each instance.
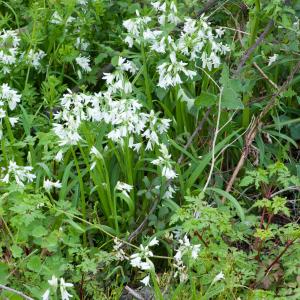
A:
(149, 150)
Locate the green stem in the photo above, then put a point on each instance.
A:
(246, 112)
(254, 23)
(146, 77)
(9, 130)
(82, 196)
(116, 215)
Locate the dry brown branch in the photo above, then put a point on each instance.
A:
(264, 75)
(251, 134)
(250, 50)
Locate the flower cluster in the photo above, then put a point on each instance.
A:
(33, 58)
(124, 116)
(49, 185)
(198, 41)
(165, 163)
(169, 72)
(8, 97)
(9, 43)
(20, 174)
(141, 259)
(118, 80)
(54, 282)
(185, 247)
(84, 63)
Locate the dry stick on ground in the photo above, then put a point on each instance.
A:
(134, 293)
(4, 287)
(196, 131)
(250, 136)
(250, 50)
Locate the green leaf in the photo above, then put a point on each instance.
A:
(206, 99)
(34, 264)
(39, 231)
(16, 251)
(233, 201)
(231, 98)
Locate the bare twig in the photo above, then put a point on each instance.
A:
(213, 158)
(253, 129)
(265, 76)
(4, 287)
(135, 233)
(250, 50)
(290, 188)
(196, 131)
(210, 4)
(134, 293)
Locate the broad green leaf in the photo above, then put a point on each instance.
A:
(206, 99)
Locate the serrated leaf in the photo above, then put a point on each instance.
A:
(39, 231)
(206, 99)
(231, 99)
(16, 251)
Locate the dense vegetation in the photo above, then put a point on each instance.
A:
(149, 150)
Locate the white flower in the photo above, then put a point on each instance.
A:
(53, 282)
(153, 242)
(135, 261)
(63, 289)
(81, 44)
(10, 96)
(12, 120)
(94, 151)
(59, 156)
(165, 163)
(46, 295)
(48, 185)
(169, 72)
(84, 63)
(34, 58)
(195, 251)
(146, 281)
(124, 188)
(219, 277)
(20, 174)
(168, 173)
(120, 254)
(272, 59)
